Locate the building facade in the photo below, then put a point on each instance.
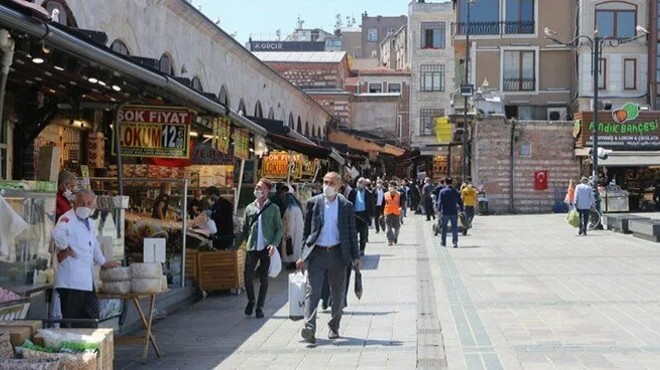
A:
(431, 57)
(508, 49)
(198, 50)
(351, 41)
(394, 50)
(375, 30)
(623, 70)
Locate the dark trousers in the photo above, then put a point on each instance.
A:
(379, 219)
(453, 219)
(362, 226)
(584, 219)
(469, 213)
(325, 263)
(393, 226)
(79, 304)
(428, 209)
(250, 264)
(222, 242)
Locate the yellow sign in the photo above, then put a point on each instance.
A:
(152, 131)
(275, 165)
(241, 144)
(443, 130)
(221, 129)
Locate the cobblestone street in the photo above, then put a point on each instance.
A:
(519, 292)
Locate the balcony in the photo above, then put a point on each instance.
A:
(519, 84)
(495, 28)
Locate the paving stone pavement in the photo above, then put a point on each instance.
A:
(521, 292)
(378, 332)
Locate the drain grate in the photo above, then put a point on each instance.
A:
(429, 331)
(431, 363)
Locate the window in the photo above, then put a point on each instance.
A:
(484, 17)
(391, 31)
(372, 35)
(165, 65)
(433, 35)
(630, 74)
(196, 84)
(375, 88)
(432, 77)
(519, 70)
(426, 124)
(394, 88)
(602, 74)
(616, 22)
(119, 47)
(519, 17)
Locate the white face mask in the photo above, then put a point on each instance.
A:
(83, 212)
(329, 191)
(68, 194)
(258, 193)
(392, 189)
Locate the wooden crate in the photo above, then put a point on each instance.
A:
(220, 270)
(191, 263)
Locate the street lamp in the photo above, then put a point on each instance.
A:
(596, 44)
(466, 94)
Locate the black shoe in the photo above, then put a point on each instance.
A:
(260, 313)
(396, 241)
(456, 245)
(308, 335)
(249, 308)
(324, 305)
(332, 334)
(443, 244)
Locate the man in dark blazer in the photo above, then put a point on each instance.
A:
(330, 246)
(363, 206)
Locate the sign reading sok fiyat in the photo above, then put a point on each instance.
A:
(150, 131)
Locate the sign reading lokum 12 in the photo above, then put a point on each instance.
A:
(151, 131)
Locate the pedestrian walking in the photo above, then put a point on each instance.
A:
(262, 226)
(570, 195)
(469, 197)
(404, 192)
(330, 245)
(584, 201)
(293, 223)
(427, 191)
(448, 206)
(392, 213)
(379, 195)
(362, 200)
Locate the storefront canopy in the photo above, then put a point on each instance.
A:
(630, 159)
(279, 134)
(69, 41)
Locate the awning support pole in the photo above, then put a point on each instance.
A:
(288, 177)
(240, 185)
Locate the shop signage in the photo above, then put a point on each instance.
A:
(443, 130)
(622, 128)
(221, 129)
(275, 165)
(206, 154)
(152, 131)
(241, 143)
(287, 46)
(308, 167)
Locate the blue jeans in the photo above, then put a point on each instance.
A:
(454, 229)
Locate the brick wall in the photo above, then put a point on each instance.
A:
(338, 105)
(550, 147)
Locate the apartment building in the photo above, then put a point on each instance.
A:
(535, 77)
(375, 30)
(623, 70)
(394, 50)
(431, 58)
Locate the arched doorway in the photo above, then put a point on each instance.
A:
(258, 112)
(291, 121)
(224, 96)
(307, 129)
(241, 106)
(120, 47)
(196, 84)
(271, 113)
(299, 129)
(166, 64)
(60, 12)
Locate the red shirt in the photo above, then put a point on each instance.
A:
(62, 205)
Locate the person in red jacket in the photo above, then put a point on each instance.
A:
(66, 184)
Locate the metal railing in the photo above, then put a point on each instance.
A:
(495, 28)
(519, 84)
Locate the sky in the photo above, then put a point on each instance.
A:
(262, 18)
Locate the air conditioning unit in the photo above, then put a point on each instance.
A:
(557, 114)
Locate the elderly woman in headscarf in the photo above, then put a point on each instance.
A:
(292, 243)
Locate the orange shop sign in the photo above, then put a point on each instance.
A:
(275, 165)
(152, 131)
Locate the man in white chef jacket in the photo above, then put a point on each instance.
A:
(77, 252)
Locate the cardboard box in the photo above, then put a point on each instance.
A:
(34, 325)
(17, 334)
(48, 163)
(107, 348)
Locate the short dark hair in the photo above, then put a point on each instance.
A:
(212, 190)
(266, 182)
(442, 180)
(393, 183)
(448, 181)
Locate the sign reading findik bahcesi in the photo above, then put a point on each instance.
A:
(152, 131)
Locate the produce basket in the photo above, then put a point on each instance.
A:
(14, 310)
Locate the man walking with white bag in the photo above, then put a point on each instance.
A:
(330, 245)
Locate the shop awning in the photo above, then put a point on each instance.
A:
(311, 150)
(59, 37)
(630, 159)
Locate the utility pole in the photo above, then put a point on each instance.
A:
(465, 172)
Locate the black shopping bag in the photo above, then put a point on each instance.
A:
(358, 284)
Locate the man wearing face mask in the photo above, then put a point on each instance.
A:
(330, 246)
(379, 195)
(363, 208)
(221, 211)
(263, 228)
(66, 183)
(77, 251)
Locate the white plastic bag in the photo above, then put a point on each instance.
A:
(297, 291)
(275, 264)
